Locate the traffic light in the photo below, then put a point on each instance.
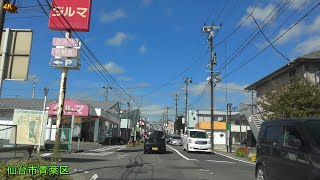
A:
(10, 8)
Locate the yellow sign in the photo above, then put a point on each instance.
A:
(29, 125)
(10, 8)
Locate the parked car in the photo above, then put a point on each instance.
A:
(196, 140)
(289, 149)
(175, 140)
(155, 142)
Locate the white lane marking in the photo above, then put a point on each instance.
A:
(220, 161)
(46, 154)
(204, 170)
(181, 154)
(234, 158)
(102, 149)
(75, 170)
(94, 177)
(86, 172)
(100, 153)
(211, 173)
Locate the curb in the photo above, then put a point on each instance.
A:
(236, 159)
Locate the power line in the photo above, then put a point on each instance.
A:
(269, 40)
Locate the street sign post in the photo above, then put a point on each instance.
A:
(68, 63)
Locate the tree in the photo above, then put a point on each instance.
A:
(178, 124)
(300, 98)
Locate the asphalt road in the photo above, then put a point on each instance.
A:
(122, 163)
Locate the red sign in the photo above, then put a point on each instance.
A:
(75, 12)
(64, 52)
(65, 42)
(71, 108)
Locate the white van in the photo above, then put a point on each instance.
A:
(196, 140)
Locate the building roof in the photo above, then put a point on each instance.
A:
(37, 104)
(311, 57)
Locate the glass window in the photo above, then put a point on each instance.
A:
(198, 134)
(313, 128)
(155, 134)
(290, 133)
(272, 135)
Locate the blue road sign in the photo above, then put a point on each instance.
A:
(71, 63)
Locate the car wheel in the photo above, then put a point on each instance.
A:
(261, 173)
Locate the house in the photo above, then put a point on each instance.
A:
(239, 127)
(307, 66)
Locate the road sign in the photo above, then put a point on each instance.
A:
(64, 52)
(70, 63)
(71, 42)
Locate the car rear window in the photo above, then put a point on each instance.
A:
(313, 128)
(155, 134)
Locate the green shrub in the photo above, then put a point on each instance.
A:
(27, 163)
(242, 152)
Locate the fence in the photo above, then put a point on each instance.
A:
(8, 135)
(66, 139)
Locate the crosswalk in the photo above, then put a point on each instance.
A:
(103, 151)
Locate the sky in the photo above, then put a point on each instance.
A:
(149, 47)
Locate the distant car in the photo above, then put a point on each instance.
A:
(175, 140)
(289, 149)
(155, 142)
(196, 140)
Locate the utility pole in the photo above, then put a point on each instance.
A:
(213, 74)
(34, 86)
(2, 64)
(230, 122)
(198, 119)
(106, 88)
(176, 99)
(187, 81)
(62, 94)
(127, 130)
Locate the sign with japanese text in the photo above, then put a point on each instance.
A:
(64, 52)
(74, 13)
(71, 108)
(65, 42)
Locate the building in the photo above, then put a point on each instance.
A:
(129, 122)
(307, 66)
(92, 119)
(239, 126)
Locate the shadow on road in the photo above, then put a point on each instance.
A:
(130, 150)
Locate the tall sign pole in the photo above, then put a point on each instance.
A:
(210, 30)
(187, 81)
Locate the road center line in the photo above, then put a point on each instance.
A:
(180, 153)
(220, 161)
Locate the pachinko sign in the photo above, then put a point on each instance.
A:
(70, 15)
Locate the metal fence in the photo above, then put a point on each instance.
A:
(8, 135)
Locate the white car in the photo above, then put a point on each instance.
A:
(196, 140)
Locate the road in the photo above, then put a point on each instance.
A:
(120, 162)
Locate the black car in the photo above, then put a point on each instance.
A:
(289, 149)
(155, 142)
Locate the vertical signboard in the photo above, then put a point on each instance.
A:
(29, 126)
(74, 13)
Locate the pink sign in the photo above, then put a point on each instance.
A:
(64, 52)
(71, 108)
(65, 42)
(70, 15)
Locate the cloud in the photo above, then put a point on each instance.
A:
(111, 67)
(168, 12)
(259, 14)
(308, 46)
(297, 3)
(197, 89)
(143, 49)
(107, 17)
(152, 110)
(118, 39)
(147, 3)
(125, 78)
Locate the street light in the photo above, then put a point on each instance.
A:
(46, 91)
(106, 88)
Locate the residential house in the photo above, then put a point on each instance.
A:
(307, 66)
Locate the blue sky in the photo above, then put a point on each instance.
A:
(146, 43)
